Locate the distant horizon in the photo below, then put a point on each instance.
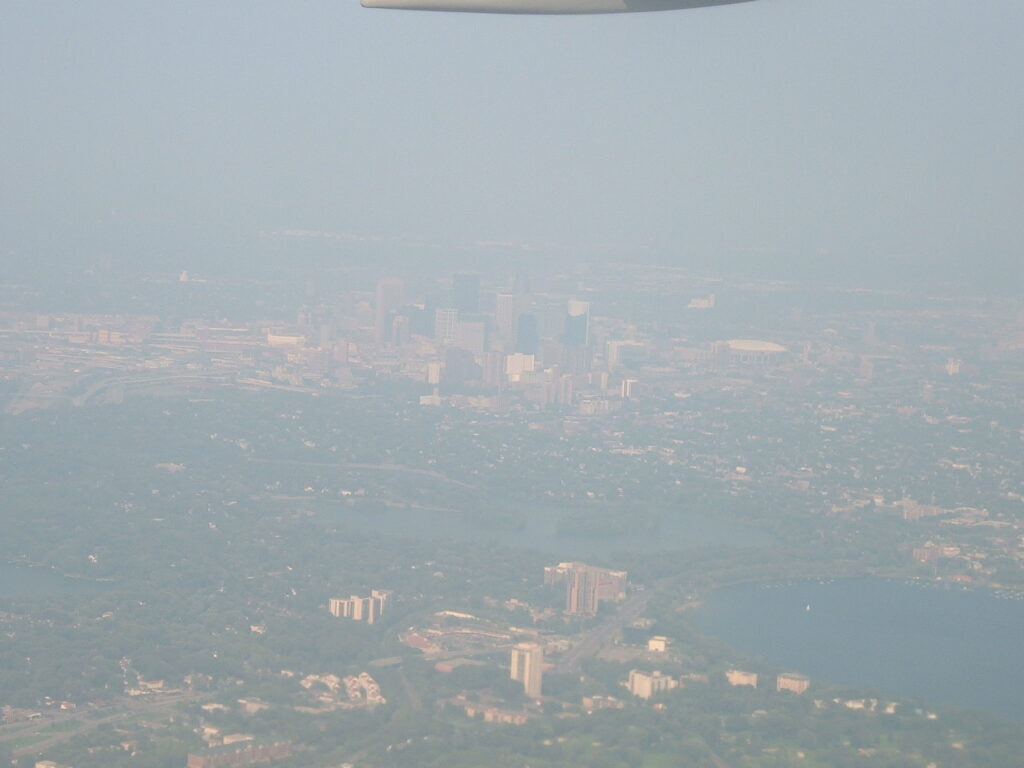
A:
(865, 141)
(1002, 277)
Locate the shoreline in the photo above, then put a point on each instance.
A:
(1000, 590)
(996, 707)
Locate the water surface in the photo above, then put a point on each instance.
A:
(906, 639)
(676, 530)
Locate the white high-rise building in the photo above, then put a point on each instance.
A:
(507, 309)
(357, 608)
(527, 663)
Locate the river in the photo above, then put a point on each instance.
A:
(676, 530)
(900, 638)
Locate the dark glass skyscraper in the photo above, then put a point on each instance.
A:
(527, 338)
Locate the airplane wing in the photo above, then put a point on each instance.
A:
(546, 6)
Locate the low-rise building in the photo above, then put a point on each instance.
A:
(791, 681)
(647, 684)
(738, 677)
(252, 706)
(594, 703)
(658, 644)
(228, 757)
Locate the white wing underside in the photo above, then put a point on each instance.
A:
(545, 6)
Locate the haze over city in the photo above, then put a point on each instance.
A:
(404, 390)
(871, 137)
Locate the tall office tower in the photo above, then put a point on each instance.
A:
(577, 324)
(390, 296)
(466, 293)
(527, 338)
(421, 320)
(626, 390)
(507, 308)
(325, 336)
(576, 359)
(446, 325)
(581, 592)
(551, 319)
(472, 335)
(527, 663)
(493, 369)
(563, 389)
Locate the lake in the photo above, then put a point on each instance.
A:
(900, 638)
(18, 581)
(677, 530)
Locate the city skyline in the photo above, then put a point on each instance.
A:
(288, 442)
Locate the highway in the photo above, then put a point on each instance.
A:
(593, 640)
(84, 722)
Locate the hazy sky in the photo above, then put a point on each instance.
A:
(845, 130)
